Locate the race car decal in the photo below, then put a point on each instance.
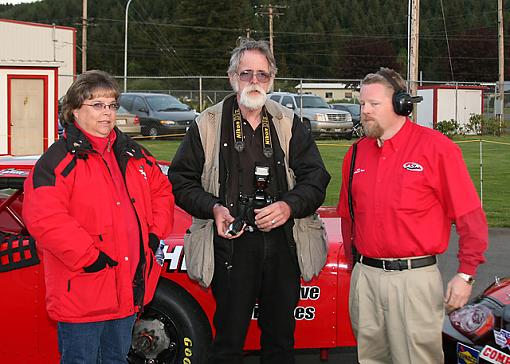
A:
(494, 355)
(502, 338)
(13, 171)
(174, 257)
(466, 354)
(300, 312)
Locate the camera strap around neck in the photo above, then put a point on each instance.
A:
(239, 135)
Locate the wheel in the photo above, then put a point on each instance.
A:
(307, 125)
(153, 131)
(172, 329)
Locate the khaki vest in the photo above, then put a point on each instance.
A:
(309, 233)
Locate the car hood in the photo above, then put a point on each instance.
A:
(314, 110)
(174, 115)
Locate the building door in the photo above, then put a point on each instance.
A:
(27, 114)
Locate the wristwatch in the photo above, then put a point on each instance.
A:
(467, 278)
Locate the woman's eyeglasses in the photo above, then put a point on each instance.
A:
(100, 106)
(248, 76)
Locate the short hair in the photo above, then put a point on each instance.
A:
(386, 76)
(246, 44)
(88, 85)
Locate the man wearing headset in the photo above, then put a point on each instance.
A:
(402, 188)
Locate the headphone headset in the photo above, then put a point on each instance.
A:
(402, 101)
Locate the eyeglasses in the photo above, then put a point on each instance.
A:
(100, 106)
(248, 76)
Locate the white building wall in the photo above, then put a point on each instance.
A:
(29, 42)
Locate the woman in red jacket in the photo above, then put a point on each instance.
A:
(97, 204)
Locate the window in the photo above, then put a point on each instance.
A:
(329, 95)
(287, 102)
(138, 105)
(348, 94)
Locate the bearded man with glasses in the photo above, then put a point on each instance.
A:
(97, 204)
(248, 171)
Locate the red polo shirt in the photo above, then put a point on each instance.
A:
(407, 194)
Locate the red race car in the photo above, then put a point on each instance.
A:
(176, 327)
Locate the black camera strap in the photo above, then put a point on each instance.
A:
(239, 135)
(349, 197)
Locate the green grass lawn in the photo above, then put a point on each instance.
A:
(496, 169)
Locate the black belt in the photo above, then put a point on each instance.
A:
(398, 264)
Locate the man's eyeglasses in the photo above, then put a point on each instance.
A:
(248, 76)
(100, 106)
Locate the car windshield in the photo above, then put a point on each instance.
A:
(353, 109)
(121, 110)
(312, 102)
(166, 103)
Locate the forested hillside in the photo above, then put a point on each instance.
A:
(313, 38)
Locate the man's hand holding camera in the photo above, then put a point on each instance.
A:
(223, 219)
(272, 216)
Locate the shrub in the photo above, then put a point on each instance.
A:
(491, 126)
(448, 127)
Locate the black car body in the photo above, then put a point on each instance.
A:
(159, 114)
(480, 331)
(353, 109)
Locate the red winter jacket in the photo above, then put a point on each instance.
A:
(70, 211)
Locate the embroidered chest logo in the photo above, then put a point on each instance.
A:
(359, 170)
(413, 166)
(142, 172)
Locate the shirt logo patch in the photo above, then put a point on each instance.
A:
(466, 354)
(502, 338)
(413, 166)
(359, 170)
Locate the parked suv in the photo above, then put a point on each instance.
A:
(160, 114)
(316, 114)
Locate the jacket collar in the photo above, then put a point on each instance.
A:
(78, 143)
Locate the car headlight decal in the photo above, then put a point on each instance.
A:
(473, 321)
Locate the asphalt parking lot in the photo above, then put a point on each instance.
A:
(497, 265)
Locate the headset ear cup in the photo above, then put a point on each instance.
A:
(402, 103)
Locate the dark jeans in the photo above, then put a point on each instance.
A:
(255, 266)
(105, 342)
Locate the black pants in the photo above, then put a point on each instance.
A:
(255, 266)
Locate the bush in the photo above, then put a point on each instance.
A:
(448, 127)
(491, 126)
(477, 124)
(474, 125)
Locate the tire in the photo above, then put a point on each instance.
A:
(172, 329)
(307, 125)
(153, 132)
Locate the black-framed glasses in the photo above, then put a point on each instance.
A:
(100, 106)
(248, 76)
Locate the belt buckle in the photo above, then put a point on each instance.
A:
(387, 270)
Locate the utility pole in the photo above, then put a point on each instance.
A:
(413, 50)
(84, 37)
(501, 56)
(272, 10)
(125, 45)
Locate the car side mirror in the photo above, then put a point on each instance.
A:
(144, 110)
(290, 106)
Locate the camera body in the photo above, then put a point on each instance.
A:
(248, 203)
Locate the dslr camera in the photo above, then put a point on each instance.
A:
(248, 203)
